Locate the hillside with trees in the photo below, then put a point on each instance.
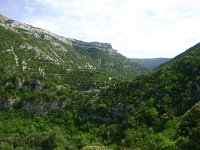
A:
(60, 93)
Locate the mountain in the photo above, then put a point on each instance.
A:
(150, 63)
(39, 51)
(61, 93)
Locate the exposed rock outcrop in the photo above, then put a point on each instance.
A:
(7, 103)
(18, 83)
(92, 92)
(38, 85)
(43, 108)
(106, 47)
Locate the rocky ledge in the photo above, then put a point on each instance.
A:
(106, 47)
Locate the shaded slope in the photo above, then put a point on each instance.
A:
(150, 63)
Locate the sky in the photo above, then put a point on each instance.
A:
(136, 28)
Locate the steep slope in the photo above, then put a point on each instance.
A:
(150, 63)
(151, 105)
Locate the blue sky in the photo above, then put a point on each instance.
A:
(136, 28)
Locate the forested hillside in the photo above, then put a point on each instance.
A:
(153, 107)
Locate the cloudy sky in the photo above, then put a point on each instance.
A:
(136, 28)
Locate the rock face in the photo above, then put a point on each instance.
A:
(38, 85)
(92, 92)
(7, 103)
(44, 108)
(18, 83)
(106, 47)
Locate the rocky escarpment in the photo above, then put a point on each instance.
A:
(31, 107)
(7, 103)
(10, 102)
(106, 47)
(38, 33)
(43, 108)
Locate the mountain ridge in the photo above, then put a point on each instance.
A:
(73, 42)
(151, 63)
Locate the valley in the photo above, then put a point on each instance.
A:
(62, 93)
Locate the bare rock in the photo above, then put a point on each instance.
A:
(43, 108)
(106, 47)
(38, 85)
(7, 103)
(18, 83)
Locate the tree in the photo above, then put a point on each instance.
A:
(190, 128)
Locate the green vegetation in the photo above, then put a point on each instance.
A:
(57, 96)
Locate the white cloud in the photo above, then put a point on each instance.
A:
(29, 9)
(137, 28)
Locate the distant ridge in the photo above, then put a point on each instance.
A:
(150, 63)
